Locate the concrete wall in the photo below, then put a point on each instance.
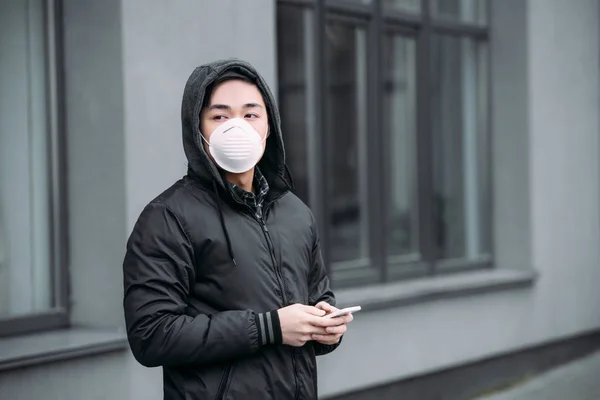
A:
(100, 378)
(127, 62)
(96, 159)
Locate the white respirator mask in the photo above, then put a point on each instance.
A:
(235, 145)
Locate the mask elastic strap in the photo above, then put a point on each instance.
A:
(203, 138)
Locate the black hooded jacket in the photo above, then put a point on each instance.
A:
(203, 275)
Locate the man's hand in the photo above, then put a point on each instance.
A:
(332, 334)
(299, 322)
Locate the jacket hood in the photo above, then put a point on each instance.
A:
(272, 163)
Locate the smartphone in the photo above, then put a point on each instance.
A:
(343, 311)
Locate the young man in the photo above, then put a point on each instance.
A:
(225, 286)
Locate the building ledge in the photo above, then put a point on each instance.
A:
(413, 291)
(52, 346)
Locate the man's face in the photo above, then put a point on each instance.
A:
(234, 99)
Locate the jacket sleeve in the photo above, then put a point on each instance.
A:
(319, 288)
(158, 273)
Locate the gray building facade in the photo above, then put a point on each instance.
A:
(451, 268)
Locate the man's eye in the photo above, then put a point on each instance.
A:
(251, 116)
(219, 117)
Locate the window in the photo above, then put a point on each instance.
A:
(458, 117)
(345, 98)
(32, 293)
(384, 109)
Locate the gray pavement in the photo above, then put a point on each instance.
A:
(578, 380)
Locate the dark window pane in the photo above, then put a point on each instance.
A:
(460, 148)
(346, 115)
(296, 87)
(399, 113)
(474, 11)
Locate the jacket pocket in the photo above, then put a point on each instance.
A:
(224, 384)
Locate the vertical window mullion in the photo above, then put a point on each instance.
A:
(320, 207)
(58, 172)
(427, 230)
(379, 176)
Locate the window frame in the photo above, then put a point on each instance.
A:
(420, 26)
(58, 316)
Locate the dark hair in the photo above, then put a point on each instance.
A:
(227, 76)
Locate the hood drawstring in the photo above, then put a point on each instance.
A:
(223, 225)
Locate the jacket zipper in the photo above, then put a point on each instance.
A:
(293, 350)
(223, 383)
(271, 247)
(279, 274)
(278, 271)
